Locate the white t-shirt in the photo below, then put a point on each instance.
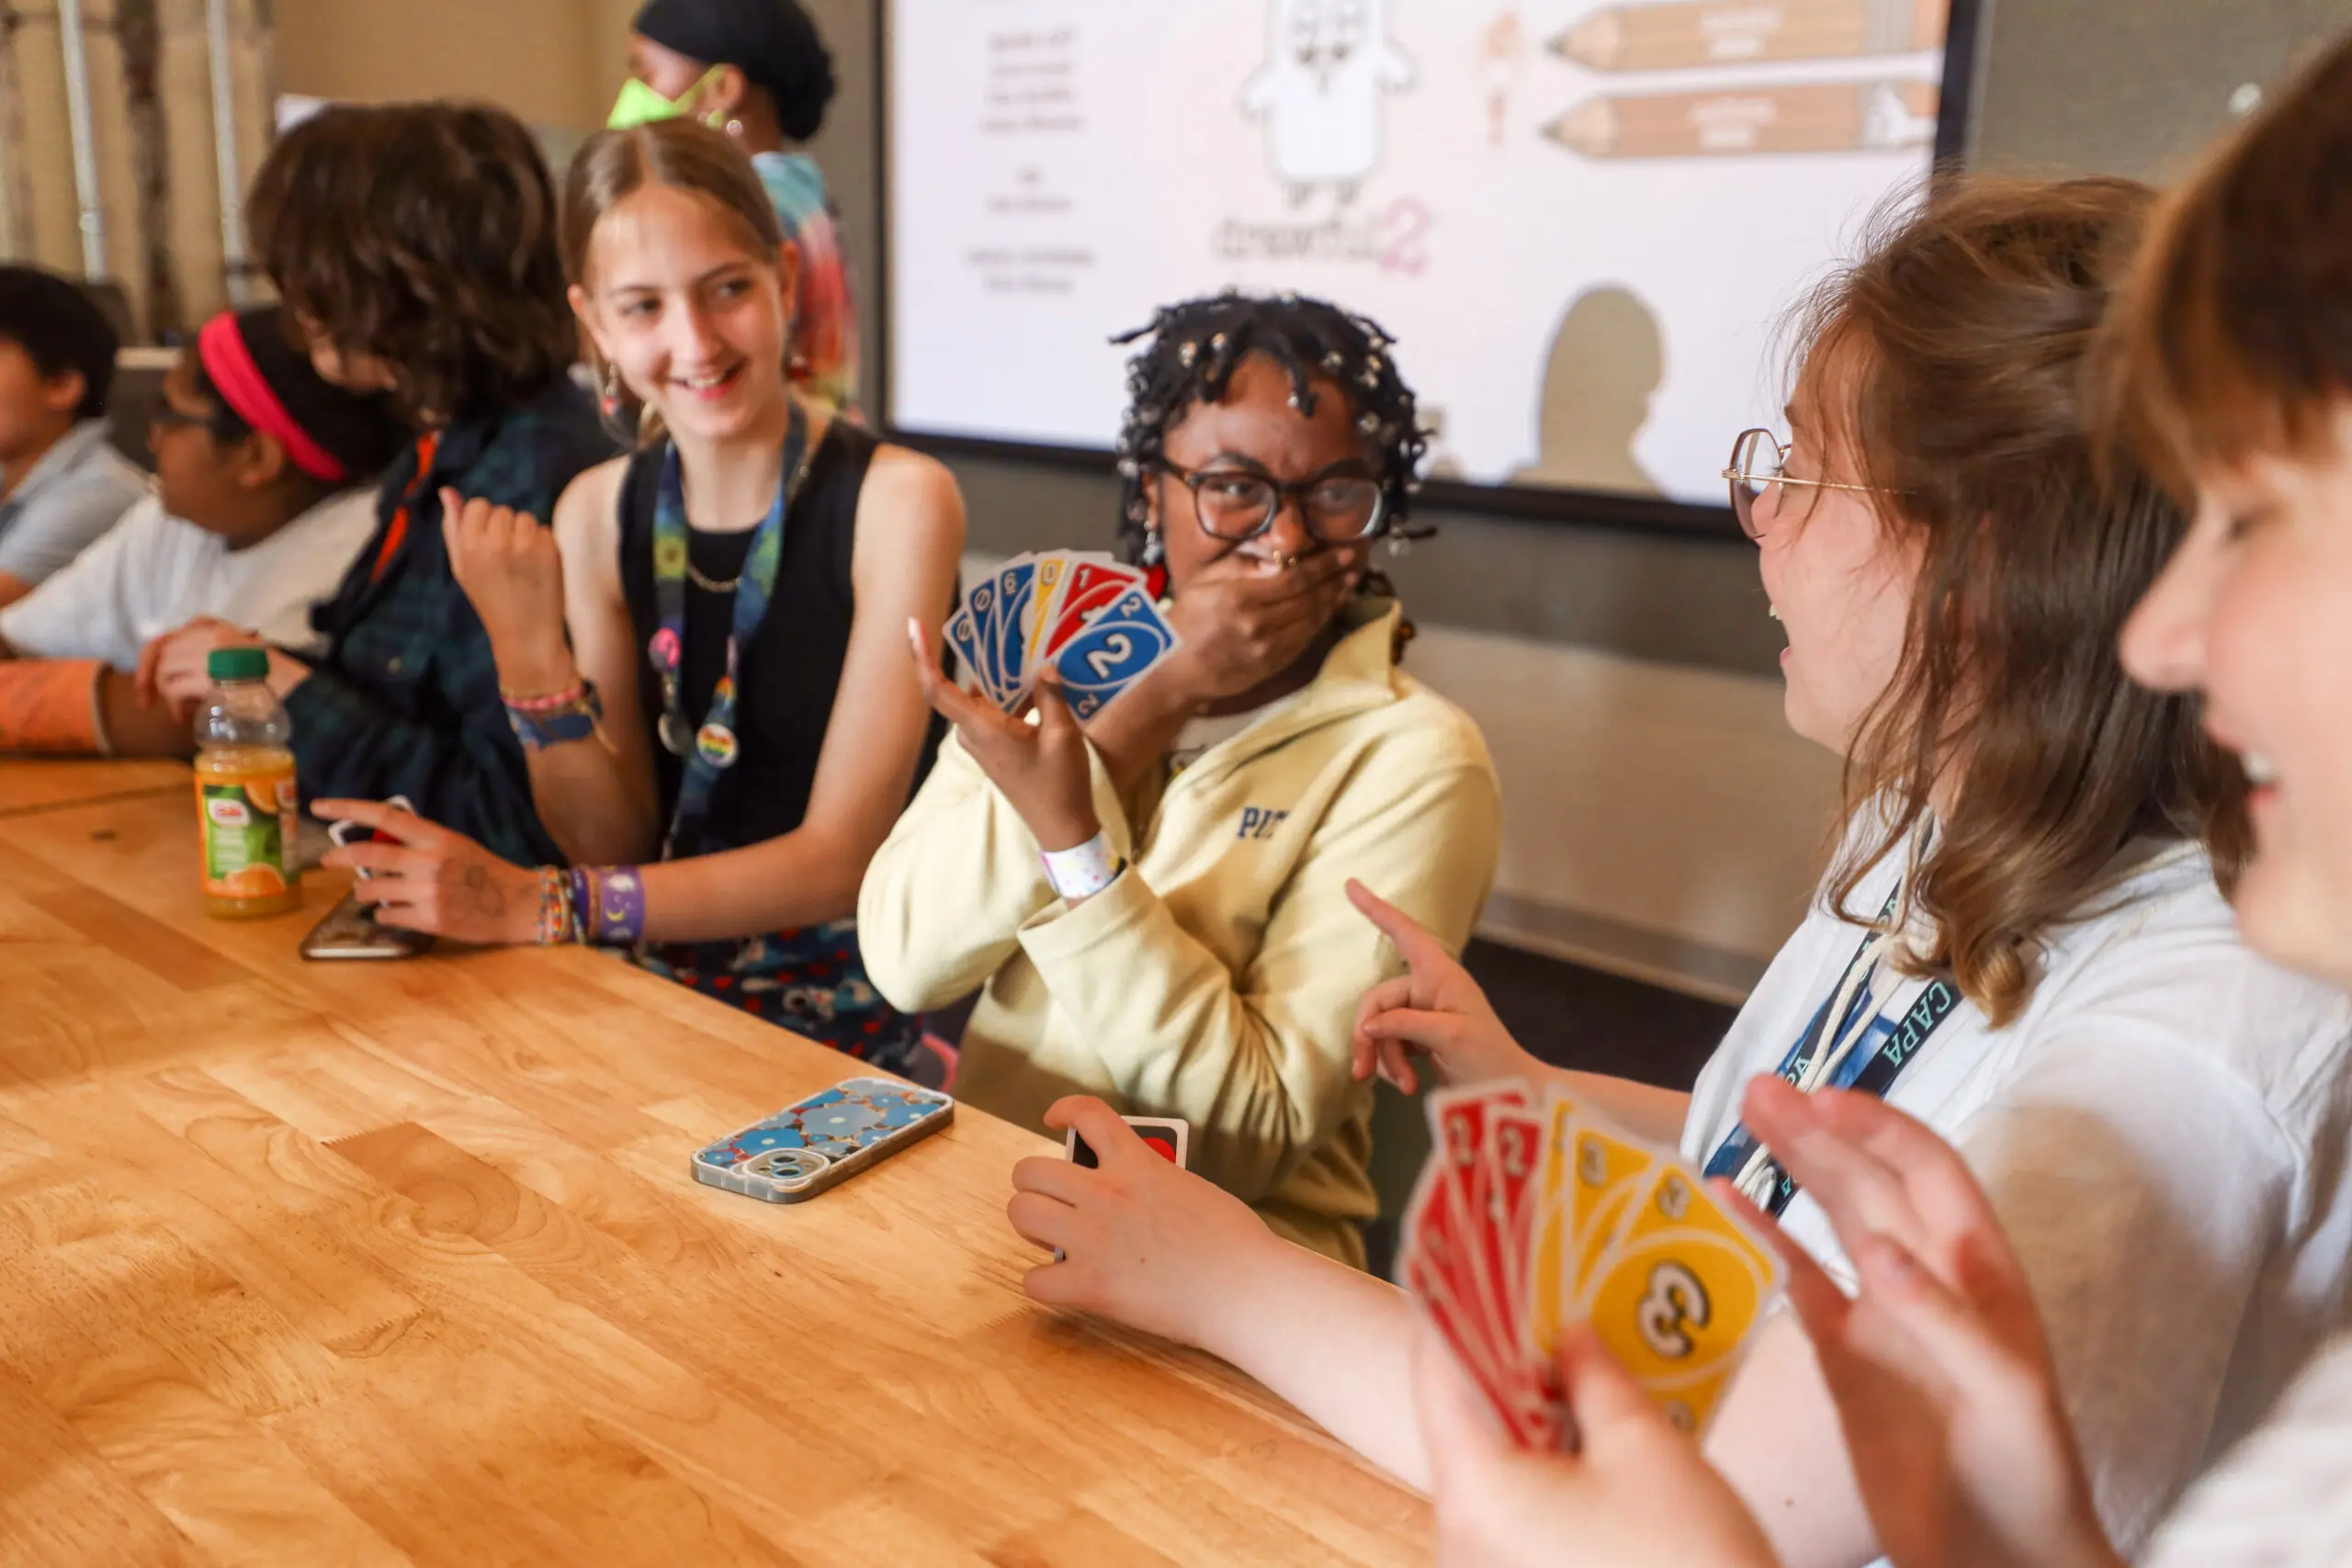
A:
(2163, 1134)
(152, 572)
(2283, 1498)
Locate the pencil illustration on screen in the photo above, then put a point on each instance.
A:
(1685, 33)
(1844, 117)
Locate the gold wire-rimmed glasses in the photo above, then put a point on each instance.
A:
(1758, 461)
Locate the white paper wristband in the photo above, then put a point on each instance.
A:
(1083, 871)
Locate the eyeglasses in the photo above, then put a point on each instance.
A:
(161, 415)
(1235, 505)
(1759, 461)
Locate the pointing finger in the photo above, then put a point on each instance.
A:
(1415, 946)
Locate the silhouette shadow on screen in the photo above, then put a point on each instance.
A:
(1606, 362)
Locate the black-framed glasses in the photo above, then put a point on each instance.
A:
(1758, 461)
(1234, 504)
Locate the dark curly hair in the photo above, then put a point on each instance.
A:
(424, 235)
(1194, 350)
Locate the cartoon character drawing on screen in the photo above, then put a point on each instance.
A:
(1329, 63)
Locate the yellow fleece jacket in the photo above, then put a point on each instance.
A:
(1217, 979)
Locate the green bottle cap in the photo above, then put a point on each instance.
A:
(237, 664)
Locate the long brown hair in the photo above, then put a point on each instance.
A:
(424, 235)
(2234, 336)
(613, 165)
(1951, 360)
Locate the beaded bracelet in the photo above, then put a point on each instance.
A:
(551, 702)
(541, 722)
(559, 915)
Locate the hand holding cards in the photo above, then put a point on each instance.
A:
(1163, 1135)
(1090, 618)
(1533, 1215)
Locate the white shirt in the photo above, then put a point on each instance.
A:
(2283, 1499)
(153, 573)
(74, 493)
(2163, 1132)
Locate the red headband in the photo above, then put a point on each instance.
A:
(226, 359)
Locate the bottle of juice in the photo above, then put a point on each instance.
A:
(245, 803)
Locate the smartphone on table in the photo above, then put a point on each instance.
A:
(351, 930)
(823, 1140)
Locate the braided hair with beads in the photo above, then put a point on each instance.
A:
(1193, 351)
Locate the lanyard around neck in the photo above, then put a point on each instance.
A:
(1823, 1053)
(711, 749)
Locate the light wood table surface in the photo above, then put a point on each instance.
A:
(39, 783)
(359, 1263)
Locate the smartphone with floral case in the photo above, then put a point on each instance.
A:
(823, 1140)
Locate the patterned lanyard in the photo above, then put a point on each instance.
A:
(713, 748)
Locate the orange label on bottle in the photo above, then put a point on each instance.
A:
(247, 822)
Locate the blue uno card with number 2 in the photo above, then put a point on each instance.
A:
(1118, 646)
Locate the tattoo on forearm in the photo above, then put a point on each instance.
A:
(489, 899)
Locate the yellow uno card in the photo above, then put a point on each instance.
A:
(1548, 1232)
(1675, 1299)
(1036, 616)
(1608, 1172)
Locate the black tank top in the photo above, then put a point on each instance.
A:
(785, 687)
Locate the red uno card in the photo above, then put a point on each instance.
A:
(1467, 1119)
(1514, 1147)
(1164, 1136)
(1090, 586)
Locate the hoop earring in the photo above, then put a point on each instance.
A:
(1154, 552)
(735, 129)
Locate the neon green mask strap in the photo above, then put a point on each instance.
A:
(640, 104)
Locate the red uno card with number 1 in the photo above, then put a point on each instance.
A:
(1090, 586)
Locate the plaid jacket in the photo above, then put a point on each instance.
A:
(405, 700)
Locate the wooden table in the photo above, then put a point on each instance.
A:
(39, 784)
(316, 1264)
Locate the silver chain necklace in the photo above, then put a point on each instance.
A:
(712, 584)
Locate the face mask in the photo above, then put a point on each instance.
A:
(640, 104)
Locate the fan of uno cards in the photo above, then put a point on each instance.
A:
(1534, 1214)
(1087, 615)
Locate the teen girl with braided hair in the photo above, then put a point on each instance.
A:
(1192, 954)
